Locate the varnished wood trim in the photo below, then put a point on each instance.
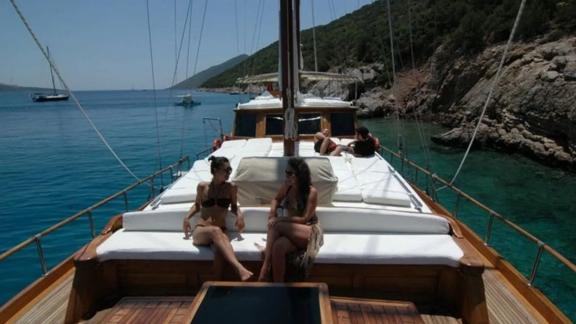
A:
(519, 285)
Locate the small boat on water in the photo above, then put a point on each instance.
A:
(187, 101)
(54, 96)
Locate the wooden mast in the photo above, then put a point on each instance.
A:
(289, 69)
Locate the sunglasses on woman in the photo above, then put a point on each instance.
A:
(289, 173)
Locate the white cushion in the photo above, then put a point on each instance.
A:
(233, 144)
(337, 248)
(332, 220)
(256, 147)
(259, 178)
(389, 249)
(178, 195)
(228, 152)
(358, 220)
(256, 219)
(383, 188)
(126, 245)
(346, 141)
(361, 165)
(348, 188)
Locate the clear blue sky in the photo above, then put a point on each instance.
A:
(104, 44)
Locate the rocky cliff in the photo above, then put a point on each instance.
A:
(532, 111)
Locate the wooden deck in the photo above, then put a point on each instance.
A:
(348, 311)
(166, 310)
(505, 305)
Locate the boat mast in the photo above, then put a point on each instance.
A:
(289, 68)
(51, 73)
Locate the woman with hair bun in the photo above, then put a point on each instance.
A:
(212, 201)
(293, 228)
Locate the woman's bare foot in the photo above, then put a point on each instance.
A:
(245, 275)
(264, 273)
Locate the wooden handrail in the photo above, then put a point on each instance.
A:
(79, 214)
(557, 255)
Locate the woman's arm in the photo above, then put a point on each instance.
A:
(234, 208)
(310, 209)
(193, 211)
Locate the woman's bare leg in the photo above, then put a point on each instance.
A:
(291, 236)
(281, 248)
(218, 264)
(324, 146)
(270, 238)
(204, 235)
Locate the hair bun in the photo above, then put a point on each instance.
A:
(212, 158)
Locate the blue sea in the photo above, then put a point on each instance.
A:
(52, 165)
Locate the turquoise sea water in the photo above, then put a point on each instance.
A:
(53, 165)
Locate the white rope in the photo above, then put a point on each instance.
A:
(158, 146)
(494, 84)
(78, 105)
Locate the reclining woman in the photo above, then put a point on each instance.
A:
(292, 224)
(213, 200)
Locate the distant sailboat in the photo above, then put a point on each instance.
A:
(41, 97)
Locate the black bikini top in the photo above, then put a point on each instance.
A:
(220, 202)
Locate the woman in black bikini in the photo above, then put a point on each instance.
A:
(297, 228)
(213, 200)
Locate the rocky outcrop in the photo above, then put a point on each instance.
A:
(532, 110)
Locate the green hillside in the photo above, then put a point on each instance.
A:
(9, 87)
(466, 26)
(199, 78)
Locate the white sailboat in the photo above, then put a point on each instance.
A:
(42, 97)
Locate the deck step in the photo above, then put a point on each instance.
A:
(356, 310)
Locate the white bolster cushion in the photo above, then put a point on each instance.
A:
(356, 220)
(389, 249)
(255, 218)
(337, 248)
(233, 144)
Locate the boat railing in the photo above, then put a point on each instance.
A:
(150, 180)
(432, 181)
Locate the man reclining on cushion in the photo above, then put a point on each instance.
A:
(213, 200)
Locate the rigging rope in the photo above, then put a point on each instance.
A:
(314, 36)
(189, 41)
(391, 35)
(492, 87)
(183, 129)
(76, 102)
(257, 32)
(181, 42)
(158, 147)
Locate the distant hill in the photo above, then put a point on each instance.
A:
(10, 87)
(199, 78)
(466, 27)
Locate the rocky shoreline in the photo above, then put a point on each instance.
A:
(532, 111)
